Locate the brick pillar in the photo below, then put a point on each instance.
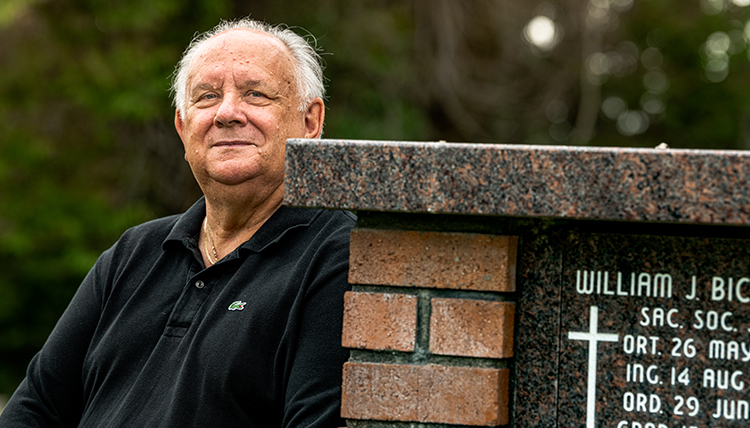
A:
(430, 325)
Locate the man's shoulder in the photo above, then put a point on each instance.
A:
(330, 221)
(160, 226)
(345, 218)
(302, 227)
(152, 233)
(295, 217)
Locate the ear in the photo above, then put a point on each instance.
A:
(179, 125)
(314, 117)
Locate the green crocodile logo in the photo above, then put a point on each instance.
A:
(237, 306)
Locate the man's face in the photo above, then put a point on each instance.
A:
(242, 105)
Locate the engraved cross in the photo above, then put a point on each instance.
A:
(593, 337)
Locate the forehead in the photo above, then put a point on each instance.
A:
(243, 50)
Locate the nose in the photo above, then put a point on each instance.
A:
(230, 112)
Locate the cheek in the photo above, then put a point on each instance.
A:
(290, 124)
(199, 123)
(268, 122)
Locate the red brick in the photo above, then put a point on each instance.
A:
(432, 394)
(380, 321)
(386, 392)
(472, 328)
(464, 396)
(433, 259)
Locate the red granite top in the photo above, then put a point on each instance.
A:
(560, 182)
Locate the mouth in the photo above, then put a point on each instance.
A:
(233, 144)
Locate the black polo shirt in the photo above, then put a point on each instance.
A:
(154, 339)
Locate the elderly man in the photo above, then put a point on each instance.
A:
(228, 315)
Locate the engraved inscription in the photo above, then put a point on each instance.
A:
(678, 327)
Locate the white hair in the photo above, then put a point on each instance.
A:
(308, 70)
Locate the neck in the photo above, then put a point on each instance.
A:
(234, 219)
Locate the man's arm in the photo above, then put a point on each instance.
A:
(313, 390)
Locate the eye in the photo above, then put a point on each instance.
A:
(205, 98)
(256, 94)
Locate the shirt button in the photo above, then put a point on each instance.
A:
(199, 284)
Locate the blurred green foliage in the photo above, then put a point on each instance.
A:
(702, 110)
(87, 147)
(80, 82)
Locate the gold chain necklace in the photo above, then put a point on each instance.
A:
(207, 229)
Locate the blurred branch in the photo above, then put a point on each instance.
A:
(592, 32)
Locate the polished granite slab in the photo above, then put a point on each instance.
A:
(563, 182)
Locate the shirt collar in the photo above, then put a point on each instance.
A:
(280, 222)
